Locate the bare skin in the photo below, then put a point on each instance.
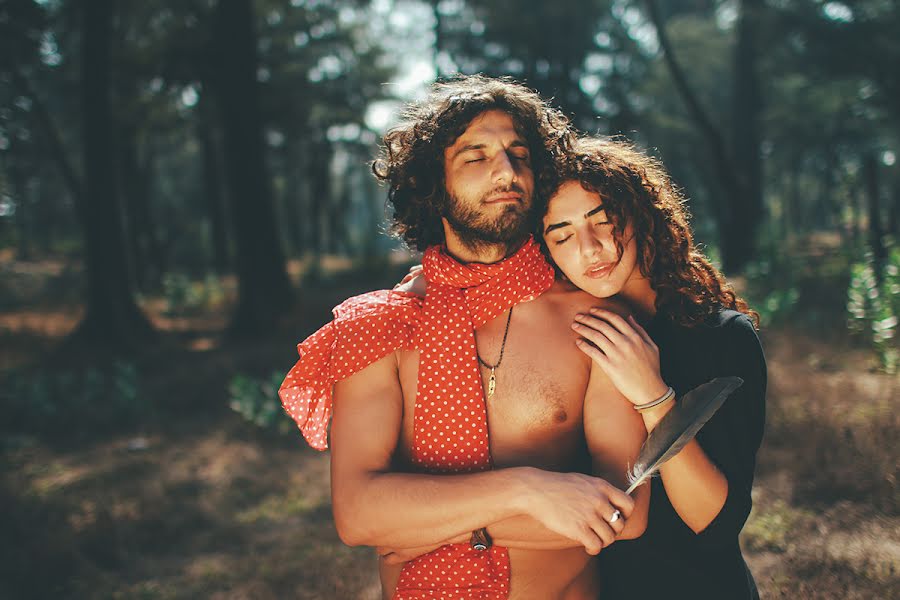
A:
(536, 418)
(553, 414)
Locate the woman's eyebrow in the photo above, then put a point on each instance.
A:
(587, 215)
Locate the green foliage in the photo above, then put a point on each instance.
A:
(72, 402)
(772, 529)
(256, 400)
(873, 306)
(774, 303)
(184, 296)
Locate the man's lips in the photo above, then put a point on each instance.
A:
(506, 197)
(598, 270)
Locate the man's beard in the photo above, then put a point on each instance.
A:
(477, 230)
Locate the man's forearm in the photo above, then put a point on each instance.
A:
(402, 510)
(525, 532)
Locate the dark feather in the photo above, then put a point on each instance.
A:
(679, 426)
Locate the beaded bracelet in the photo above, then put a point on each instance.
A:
(670, 393)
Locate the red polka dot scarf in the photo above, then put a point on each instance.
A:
(451, 434)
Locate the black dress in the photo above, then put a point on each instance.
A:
(670, 560)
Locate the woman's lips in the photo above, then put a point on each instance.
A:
(599, 270)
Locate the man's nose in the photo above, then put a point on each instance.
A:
(504, 171)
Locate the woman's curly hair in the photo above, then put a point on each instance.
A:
(411, 160)
(636, 190)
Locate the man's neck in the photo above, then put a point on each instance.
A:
(478, 253)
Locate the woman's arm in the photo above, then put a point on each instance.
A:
(700, 486)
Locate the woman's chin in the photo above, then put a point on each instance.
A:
(599, 288)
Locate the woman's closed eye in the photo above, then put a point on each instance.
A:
(562, 241)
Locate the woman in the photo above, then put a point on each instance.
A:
(614, 225)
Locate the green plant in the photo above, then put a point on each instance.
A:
(873, 306)
(92, 399)
(184, 296)
(256, 400)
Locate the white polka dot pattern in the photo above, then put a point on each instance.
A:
(450, 417)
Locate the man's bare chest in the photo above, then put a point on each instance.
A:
(535, 413)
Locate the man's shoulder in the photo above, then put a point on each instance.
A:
(565, 296)
(382, 315)
(387, 302)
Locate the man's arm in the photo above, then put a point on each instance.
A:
(376, 507)
(614, 433)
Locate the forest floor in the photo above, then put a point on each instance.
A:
(187, 499)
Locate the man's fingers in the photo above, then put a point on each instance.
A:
(592, 542)
(603, 530)
(620, 500)
(616, 520)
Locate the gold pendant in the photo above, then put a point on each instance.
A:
(492, 385)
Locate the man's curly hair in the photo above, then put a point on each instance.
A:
(636, 190)
(411, 160)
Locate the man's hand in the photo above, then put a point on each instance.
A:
(577, 506)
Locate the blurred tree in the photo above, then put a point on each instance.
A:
(264, 289)
(112, 316)
(738, 166)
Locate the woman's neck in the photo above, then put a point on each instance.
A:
(641, 296)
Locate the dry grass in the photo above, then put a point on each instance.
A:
(195, 503)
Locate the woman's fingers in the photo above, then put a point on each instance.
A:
(641, 331)
(597, 331)
(594, 353)
(621, 325)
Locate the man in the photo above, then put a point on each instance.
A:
(456, 417)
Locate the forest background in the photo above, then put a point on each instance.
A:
(185, 193)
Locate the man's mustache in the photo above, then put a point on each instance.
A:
(513, 187)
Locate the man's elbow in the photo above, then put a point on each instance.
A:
(354, 525)
(350, 527)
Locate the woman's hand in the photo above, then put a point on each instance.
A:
(413, 282)
(624, 351)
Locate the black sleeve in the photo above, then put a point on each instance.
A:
(732, 437)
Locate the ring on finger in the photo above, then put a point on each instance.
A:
(615, 517)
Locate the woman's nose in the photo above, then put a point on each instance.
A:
(590, 245)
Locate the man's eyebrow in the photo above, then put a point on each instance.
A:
(467, 148)
(561, 224)
(515, 144)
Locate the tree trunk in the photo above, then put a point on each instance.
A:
(876, 227)
(264, 291)
(746, 210)
(320, 195)
(293, 198)
(112, 318)
(737, 236)
(24, 217)
(212, 188)
(894, 215)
